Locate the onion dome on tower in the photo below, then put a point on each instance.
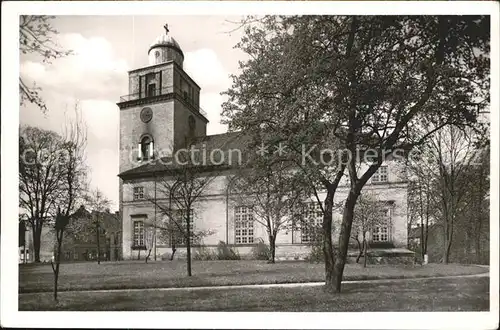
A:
(165, 49)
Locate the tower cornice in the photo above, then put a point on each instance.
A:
(159, 98)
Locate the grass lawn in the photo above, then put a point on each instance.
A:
(456, 294)
(135, 274)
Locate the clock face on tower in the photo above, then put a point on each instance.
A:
(146, 115)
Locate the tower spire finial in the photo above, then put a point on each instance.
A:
(166, 28)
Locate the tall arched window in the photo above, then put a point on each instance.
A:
(192, 126)
(146, 148)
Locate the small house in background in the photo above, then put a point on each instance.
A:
(81, 242)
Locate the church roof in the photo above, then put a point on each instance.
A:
(226, 156)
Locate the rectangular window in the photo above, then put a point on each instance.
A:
(150, 82)
(139, 233)
(243, 225)
(380, 233)
(67, 255)
(138, 193)
(151, 90)
(311, 225)
(380, 175)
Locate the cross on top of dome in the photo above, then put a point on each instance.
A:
(166, 48)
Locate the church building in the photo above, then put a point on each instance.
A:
(158, 116)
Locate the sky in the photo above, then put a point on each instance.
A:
(105, 48)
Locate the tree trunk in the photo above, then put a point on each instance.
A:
(446, 237)
(98, 245)
(345, 233)
(328, 249)
(422, 240)
(173, 252)
(478, 249)
(448, 241)
(272, 248)
(57, 259)
(421, 216)
(360, 250)
(447, 251)
(148, 255)
(37, 233)
(365, 252)
(426, 233)
(479, 216)
(188, 242)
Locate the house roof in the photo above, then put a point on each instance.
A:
(109, 221)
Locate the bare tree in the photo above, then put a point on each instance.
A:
(183, 182)
(71, 184)
(40, 175)
(36, 36)
(421, 201)
(368, 214)
(169, 232)
(448, 191)
(449, 155)
(149, 239)
(270, 189)
(480, 201)
(97, 203)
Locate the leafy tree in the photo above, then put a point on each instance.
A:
(378, 83)
(36, 36)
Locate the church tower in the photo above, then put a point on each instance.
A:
(161, 110)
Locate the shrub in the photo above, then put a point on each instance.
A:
(316, 254)
(225, 252)
(261, 250)
(202, 253)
